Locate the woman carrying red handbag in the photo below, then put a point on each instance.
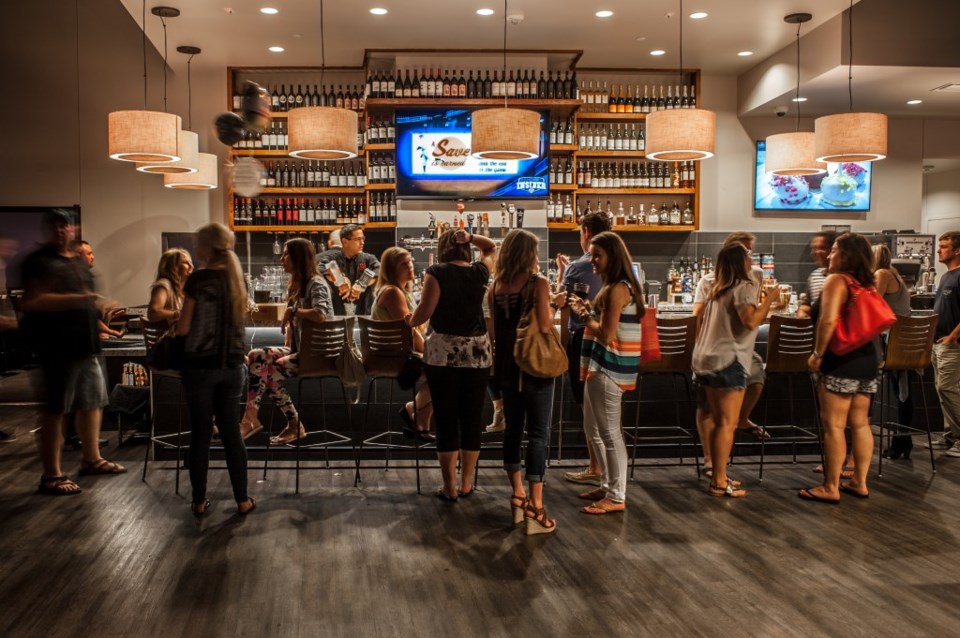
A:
(845, 382)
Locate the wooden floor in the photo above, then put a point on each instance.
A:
(125, 558)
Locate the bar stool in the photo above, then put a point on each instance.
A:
(153, 331)
(321, 343)
(909, 348)
(791, 343)
(385, 347)
(677, 337)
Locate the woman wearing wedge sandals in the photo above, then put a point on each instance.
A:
(724, 351)
(214, 310)
(527, 400)
(609, 362)
(308, 299)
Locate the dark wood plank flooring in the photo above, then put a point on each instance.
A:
(127, 559)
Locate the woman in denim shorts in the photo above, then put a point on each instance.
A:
(723, 352)
(845, 382)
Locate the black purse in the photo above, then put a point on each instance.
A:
(410, 373)
(167, 354)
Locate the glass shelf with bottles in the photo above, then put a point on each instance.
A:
(313, 176)
(255, 213)
(609, 140)
(601, 101)
(630, 215)
(283, 100)
(474, 84)
(636, 177)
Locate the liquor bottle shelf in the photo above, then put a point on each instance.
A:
(630, 228)
(555, 106)
(311, 228)
(610, 117)
(381, 187)
(563, 187)
(380, 147)
(259, 152)
(612, 154)
(564, 148)
(325, 190)
(636, 191)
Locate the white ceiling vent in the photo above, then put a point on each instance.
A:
(951, 87)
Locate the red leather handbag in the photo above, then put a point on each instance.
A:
(863, 317)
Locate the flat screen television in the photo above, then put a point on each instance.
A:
(433, 160)
(842, 187)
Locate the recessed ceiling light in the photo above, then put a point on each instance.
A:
(698, 15)
(745, 54)
(641, 38)
(485, 12)
(269, 11)
(912, 102)
(276, 49)
(799, 99)
(604, 14)
(657, 52)
(378, 11)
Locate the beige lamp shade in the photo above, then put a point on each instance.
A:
(505, 134)
(189, 149)
(792, 154)
(204, 179)
(143, 136)
(322, 133)
(679, 135)
(851, 137)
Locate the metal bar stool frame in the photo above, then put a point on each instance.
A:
(153, 331)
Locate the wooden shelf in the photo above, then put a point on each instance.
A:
(562, 225)
(564, 148)
(632, 228)
(259, 152)
(636, 191)
(381, 187)
(613, 154)
(309, 229)
(562, 187)
(284, 114)
(555, 106)
(327, 190)
(611, 117)
(380, 147)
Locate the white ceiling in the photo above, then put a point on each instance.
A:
(235, 33)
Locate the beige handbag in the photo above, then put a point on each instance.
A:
(539, 354)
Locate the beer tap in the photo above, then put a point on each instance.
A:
(486, 224)
(432, 226)
(470, 218)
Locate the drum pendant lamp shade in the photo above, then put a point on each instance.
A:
(189, 149)
(679, 135)
(851, 137)
(143, 136)
(322, 133)
(792, 154)
(505, 134)
(204, 179)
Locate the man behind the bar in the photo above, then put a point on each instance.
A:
(946, 349)
(579, 271)
(359, 270)
(820, 247)
(60, 319)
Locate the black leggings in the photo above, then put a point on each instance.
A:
(458, 395)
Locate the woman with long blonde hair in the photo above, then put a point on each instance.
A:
(527, 400)
(166, 292)
(308, 299)
(393, 300)
(212, 320)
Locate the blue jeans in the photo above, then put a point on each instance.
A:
(533, 405)
(215, 393)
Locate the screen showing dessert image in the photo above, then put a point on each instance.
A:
(841, 187)
(434, 160)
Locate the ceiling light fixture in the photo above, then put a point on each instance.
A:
(604, 14)
(793, 153)
(189, 140)
(276, 49)
(658, 52)
(322, 132)
(676, 135)
(799, 99)
(851, 137)
(505, 134)
(204, 179)
(143, 136)
(485, 12)
(269, 11)
(913, 102)
(698, 15)
(378, 11)
(745, 54)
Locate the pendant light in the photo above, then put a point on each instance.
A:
(322, 132)
(205, 175)
(851, 137)
(144, 136)
(680, 135)
(505, 134)
(189, 141)
(793, 153)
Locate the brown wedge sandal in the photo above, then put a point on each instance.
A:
(537, 522)
(518, 509)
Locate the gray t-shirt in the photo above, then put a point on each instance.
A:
(579, 271)
(723, 338)
(702, 294)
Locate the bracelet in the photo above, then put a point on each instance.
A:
(817, 355)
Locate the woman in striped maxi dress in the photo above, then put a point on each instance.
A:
(609, 362)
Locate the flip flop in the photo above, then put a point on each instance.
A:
(730, 490)
(61, 486)
(103, 466)
(807, 495)
(602, 507)
(846, 488)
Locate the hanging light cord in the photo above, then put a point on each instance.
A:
(143, 44)
(164, 23)
(323, 54)
(504, 77)
(797, 96)
(681, 44)
(76, 7)
(189, 95)
(850, 59)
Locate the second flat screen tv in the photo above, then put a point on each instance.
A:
(842, 187)
(433, 160)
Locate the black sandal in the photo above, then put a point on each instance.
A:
(58, 486)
